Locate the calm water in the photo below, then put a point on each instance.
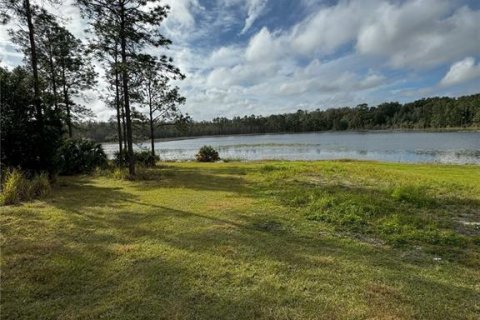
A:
(440, 147)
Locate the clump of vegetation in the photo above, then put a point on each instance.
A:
(146, 159)
(207, 154)
(81, 156)
(142, 158)
(39, 186)
(14, 188)
(412, 194)
(17, 188)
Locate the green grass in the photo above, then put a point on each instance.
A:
(271, 240)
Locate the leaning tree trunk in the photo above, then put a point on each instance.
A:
(126, 98)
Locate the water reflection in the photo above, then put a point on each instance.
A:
(440, 147)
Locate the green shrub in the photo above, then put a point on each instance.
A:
(142, 158)
(15, 187)
(146, 159)
(39, 186)
(207, 154)
(81, 156)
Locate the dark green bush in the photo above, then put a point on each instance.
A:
(142, 158)
(207, 154)
(81, 156)
(146, 159)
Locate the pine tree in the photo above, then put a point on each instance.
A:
(136, 22)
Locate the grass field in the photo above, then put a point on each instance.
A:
(260, 240)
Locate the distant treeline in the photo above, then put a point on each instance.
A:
(430, 113)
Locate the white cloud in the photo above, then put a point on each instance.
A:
(263, 46)
(420, 33)
(341, 54)
(254, 10)
(330, 27)
(414, 34)
(461, 71)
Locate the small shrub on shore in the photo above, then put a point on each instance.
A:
(142, 158)
(207, 154)
(146, 159)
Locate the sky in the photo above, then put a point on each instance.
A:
(244, 57)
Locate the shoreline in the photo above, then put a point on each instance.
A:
(432, 130)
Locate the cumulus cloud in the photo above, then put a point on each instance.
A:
(420, 33)
(334, 54)
(414, 34)
(461, 71)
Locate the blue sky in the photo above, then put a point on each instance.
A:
(273, 56)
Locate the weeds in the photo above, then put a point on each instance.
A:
(17, 188)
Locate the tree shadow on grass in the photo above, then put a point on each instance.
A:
(75, 194)
(105, 263)
(192, 178)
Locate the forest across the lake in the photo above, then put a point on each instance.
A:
(429, 113)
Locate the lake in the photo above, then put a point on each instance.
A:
(392, 146)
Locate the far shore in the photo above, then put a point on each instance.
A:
(468, 129)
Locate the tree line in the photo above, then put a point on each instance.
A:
(429, 113)
(39, 100)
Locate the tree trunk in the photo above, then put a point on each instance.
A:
(152, 136)
(67, 105)
(117, 103)
(124, 126)
(52, 71)
(34, 62)
(126, 98)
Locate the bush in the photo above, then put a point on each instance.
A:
(146, 159)
(17, 188)
(39, 186)
(81, 156)
(207, 154)
(143, 158)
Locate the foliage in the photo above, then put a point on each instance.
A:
(156, 94)
(26, 141)
(143, 158)
(207, 154)
(39, 186)
(17, 188)
(81, 156)
(14, 188)
(123, 30)
(63, 65)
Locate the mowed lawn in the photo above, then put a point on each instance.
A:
(260, 240)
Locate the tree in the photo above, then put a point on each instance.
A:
(77, 74)
(23, 10)
(62, 61)
(136, 22)
(22, 144)
(154, 91)
(44, 120)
